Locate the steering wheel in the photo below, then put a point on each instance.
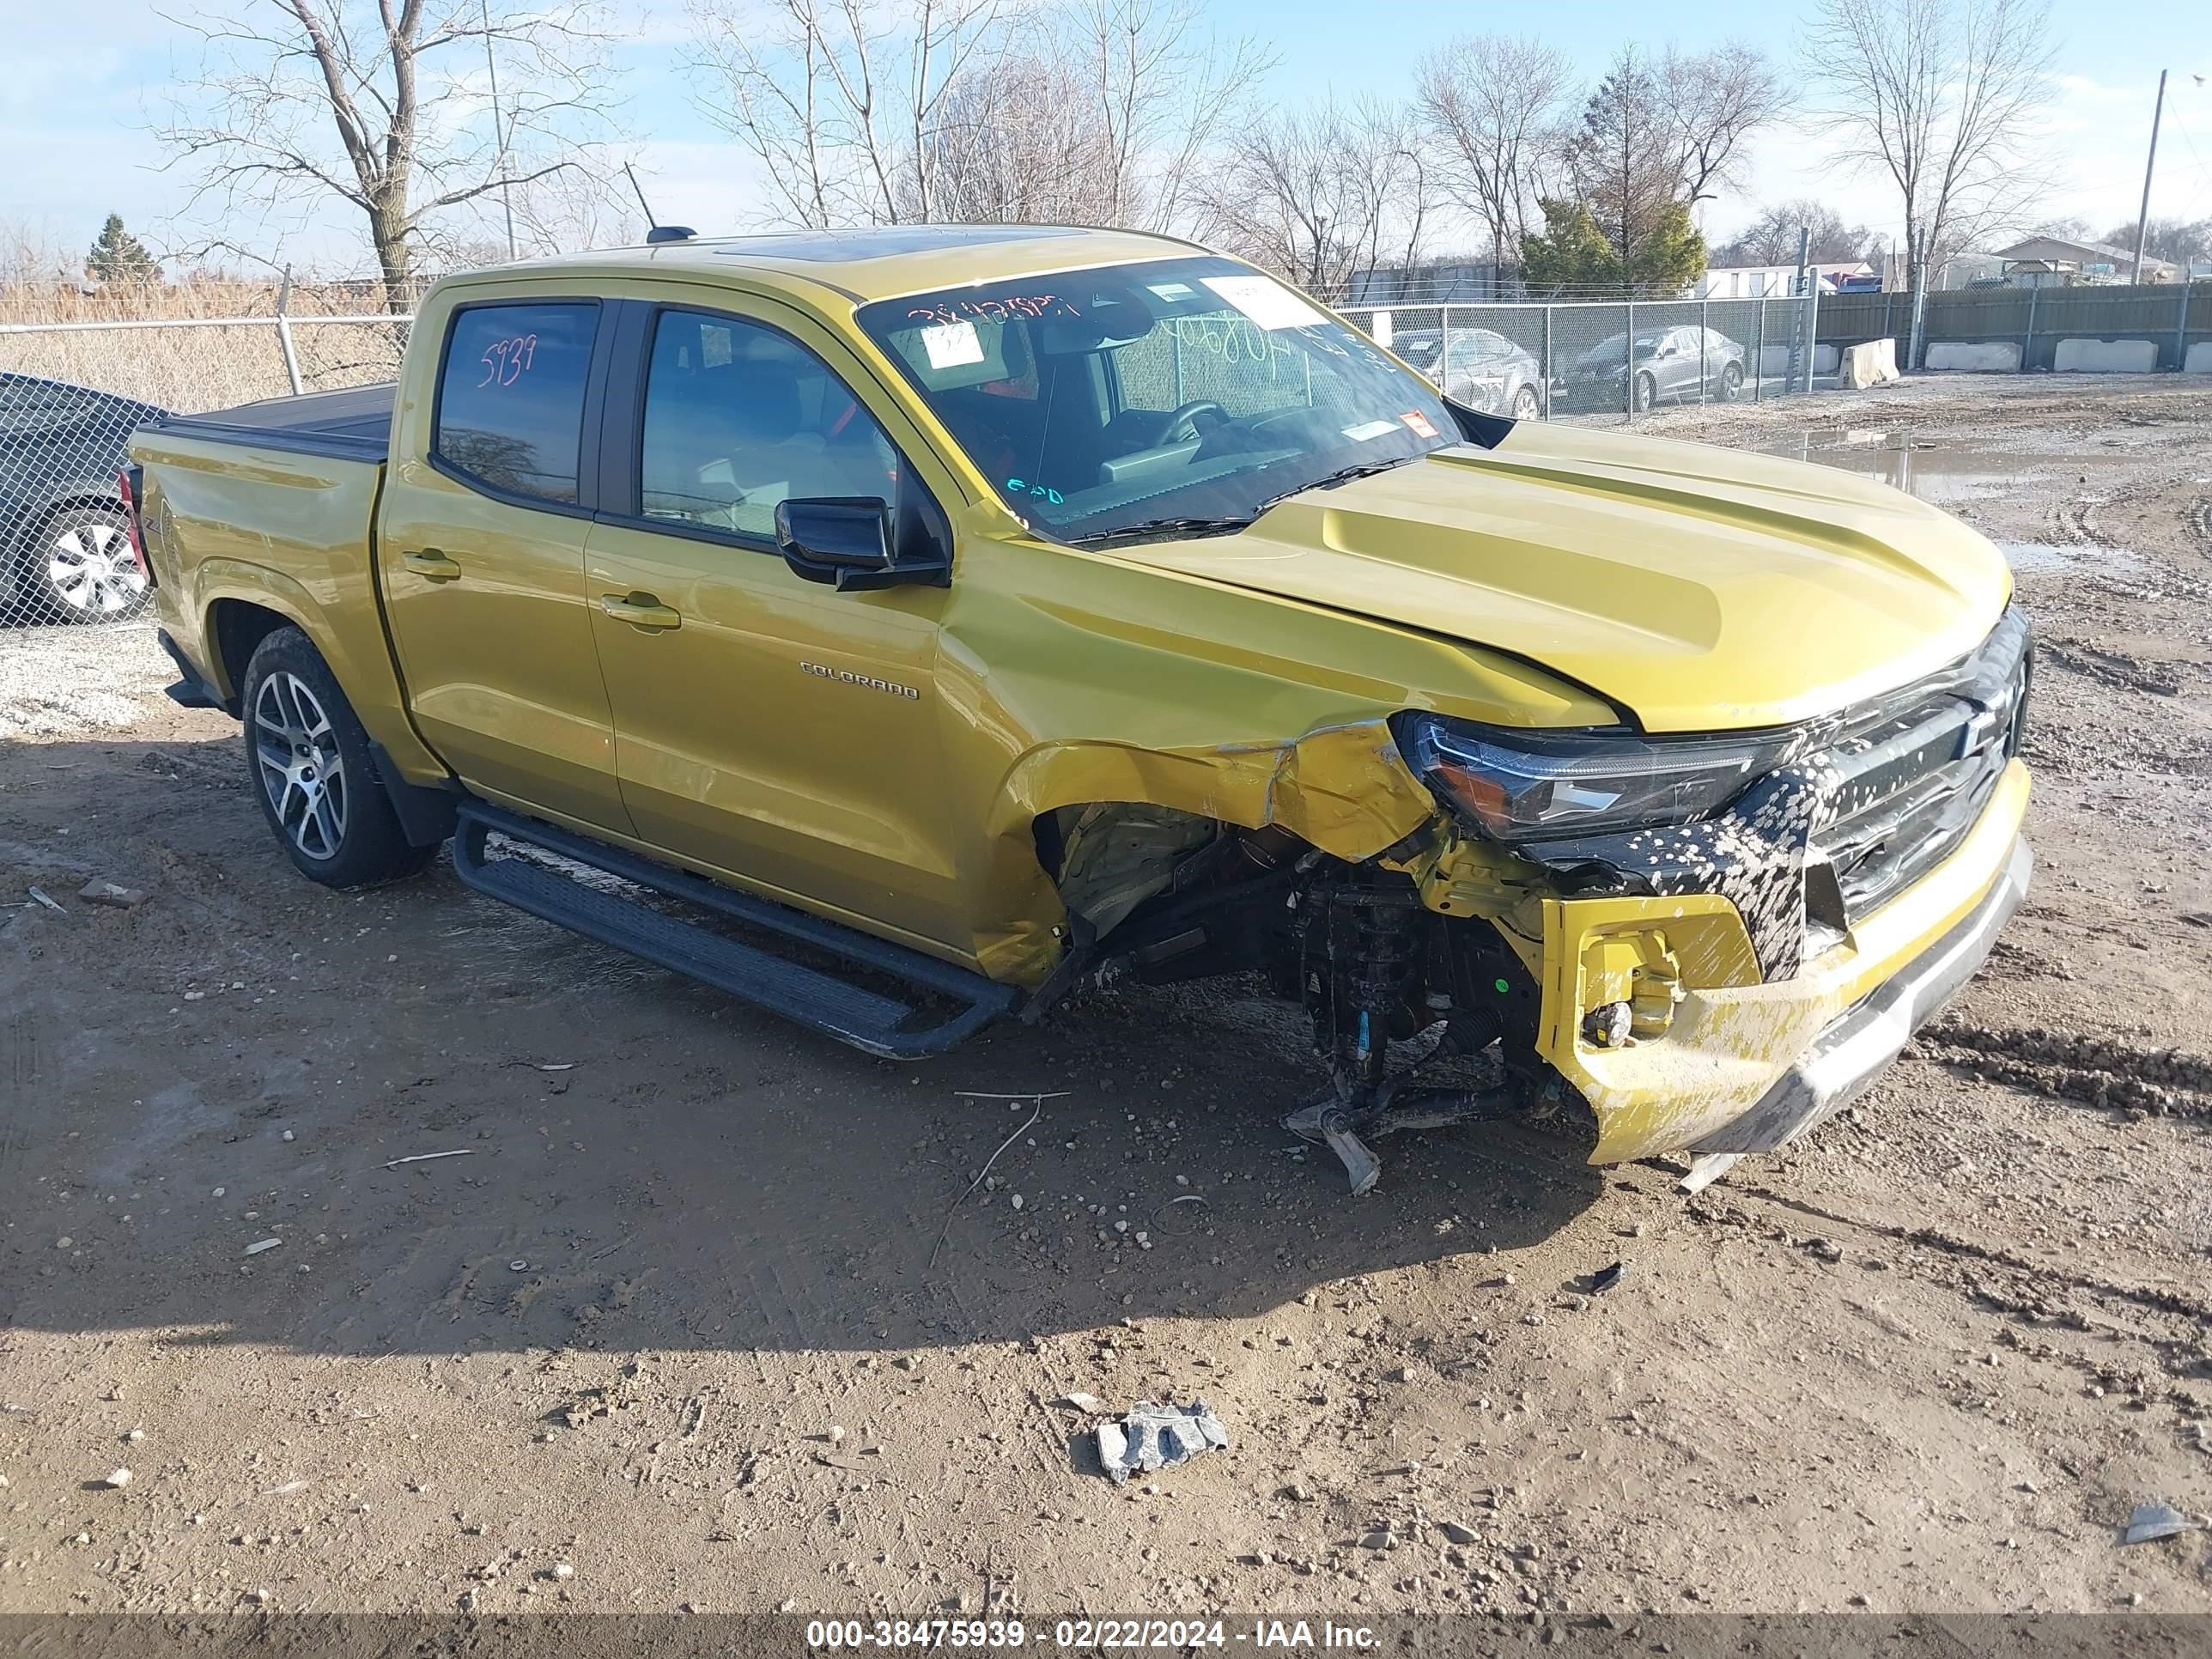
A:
(1174, 423)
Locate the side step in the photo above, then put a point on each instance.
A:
(870, 1021)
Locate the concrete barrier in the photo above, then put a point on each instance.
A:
(1973, 356)
(2105, 356)
(1774, 360)
(2199, 360)
(1873, 363)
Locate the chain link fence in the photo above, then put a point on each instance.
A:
(1603, 363)
(73, 392)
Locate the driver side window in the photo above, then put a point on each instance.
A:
(738, 418)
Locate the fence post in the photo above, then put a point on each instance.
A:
(1887, 332)
(1812, 329)
(1547, 363)
(1704, 347)
(1444, 352)
(2027, 345)
(1628, 363)
(2181, 327)
(284, 331)
(1758, 351)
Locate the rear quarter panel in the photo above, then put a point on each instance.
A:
(289, 533)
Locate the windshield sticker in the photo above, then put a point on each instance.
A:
(1420, 423)
(1265, 300)
(951, 344)
(1366, 431)
(1172, 292)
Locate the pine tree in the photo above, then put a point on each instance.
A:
(118, 257)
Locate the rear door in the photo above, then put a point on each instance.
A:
(767, 727)
(481, 556)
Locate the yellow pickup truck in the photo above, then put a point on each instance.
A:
(900, 628)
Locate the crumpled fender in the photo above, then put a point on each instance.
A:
(1344, 788)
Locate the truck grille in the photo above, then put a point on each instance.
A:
(1907, 777)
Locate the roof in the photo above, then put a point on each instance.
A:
(883, 262)
(2046, 247)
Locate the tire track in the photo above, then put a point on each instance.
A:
(2096, 1071)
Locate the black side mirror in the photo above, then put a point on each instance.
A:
(858, 542)
(826, 538)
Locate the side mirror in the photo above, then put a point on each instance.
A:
(823, 537)
(860, 542)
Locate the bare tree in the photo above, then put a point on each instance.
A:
(382, 105)
(1942, 97)
(1320, 194)
(1771, 238)
(839, 99)
(1715, 102)
(1496, 104)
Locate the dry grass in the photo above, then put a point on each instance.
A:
(75, 302)
(211, 365)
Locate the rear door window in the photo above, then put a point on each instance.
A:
(511, 397)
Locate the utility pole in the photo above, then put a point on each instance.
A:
(498, 132)
(2142, 219)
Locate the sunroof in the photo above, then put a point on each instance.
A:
(839, 247)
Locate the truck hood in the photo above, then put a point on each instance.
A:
(1698, 588)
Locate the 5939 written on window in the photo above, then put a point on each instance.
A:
(511, 397)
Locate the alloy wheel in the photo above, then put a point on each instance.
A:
(301, 769)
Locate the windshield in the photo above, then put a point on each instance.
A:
(1171, 396)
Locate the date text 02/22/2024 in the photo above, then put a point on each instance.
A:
(1087, 1634)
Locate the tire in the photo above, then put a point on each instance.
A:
(1731, 382)
(1526, 406)
(1647, 393)
(80, 569)
(308, 762)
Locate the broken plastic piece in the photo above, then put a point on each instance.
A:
(1708, 1170)
(1158, 1437)
(1361, 1167)
(1606, 1278)
(2152, 1522)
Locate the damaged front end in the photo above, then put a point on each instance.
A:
(1713, 943)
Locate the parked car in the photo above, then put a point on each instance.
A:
(972, 614)
(65, 554)
(1672, 364)
(1483, 369)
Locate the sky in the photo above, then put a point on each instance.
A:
(83, 83)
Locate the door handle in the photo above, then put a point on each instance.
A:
(640, 610)
(432, 564)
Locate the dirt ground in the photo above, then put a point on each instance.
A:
(673, 1322)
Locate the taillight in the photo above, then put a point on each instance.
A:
(128, 482)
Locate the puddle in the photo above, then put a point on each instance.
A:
(1931, 473)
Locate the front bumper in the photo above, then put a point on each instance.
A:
(1747, 1064)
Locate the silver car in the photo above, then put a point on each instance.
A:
(1679, 365)
(1476, 367)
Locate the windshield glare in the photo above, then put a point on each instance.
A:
(1095, 401)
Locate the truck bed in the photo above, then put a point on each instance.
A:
(353, 424)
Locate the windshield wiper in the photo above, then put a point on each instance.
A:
(1329, 480)
(1148, 527)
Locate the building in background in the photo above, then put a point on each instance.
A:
(2058, 261)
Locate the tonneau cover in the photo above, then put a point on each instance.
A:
(353, 423)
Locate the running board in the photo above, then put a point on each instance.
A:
(869, 1020)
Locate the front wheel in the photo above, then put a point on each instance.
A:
(1526, 405)
(313, 772)
(1647, 393)
(1731, 382)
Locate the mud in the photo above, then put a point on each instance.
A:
(1930, 1361)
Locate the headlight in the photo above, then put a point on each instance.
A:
(1533, 786)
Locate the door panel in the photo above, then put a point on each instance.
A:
(485, 595)
(781, 730)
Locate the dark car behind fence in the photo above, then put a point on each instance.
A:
(72, 393)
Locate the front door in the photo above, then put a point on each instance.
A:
(767, 727)
(481, 560)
